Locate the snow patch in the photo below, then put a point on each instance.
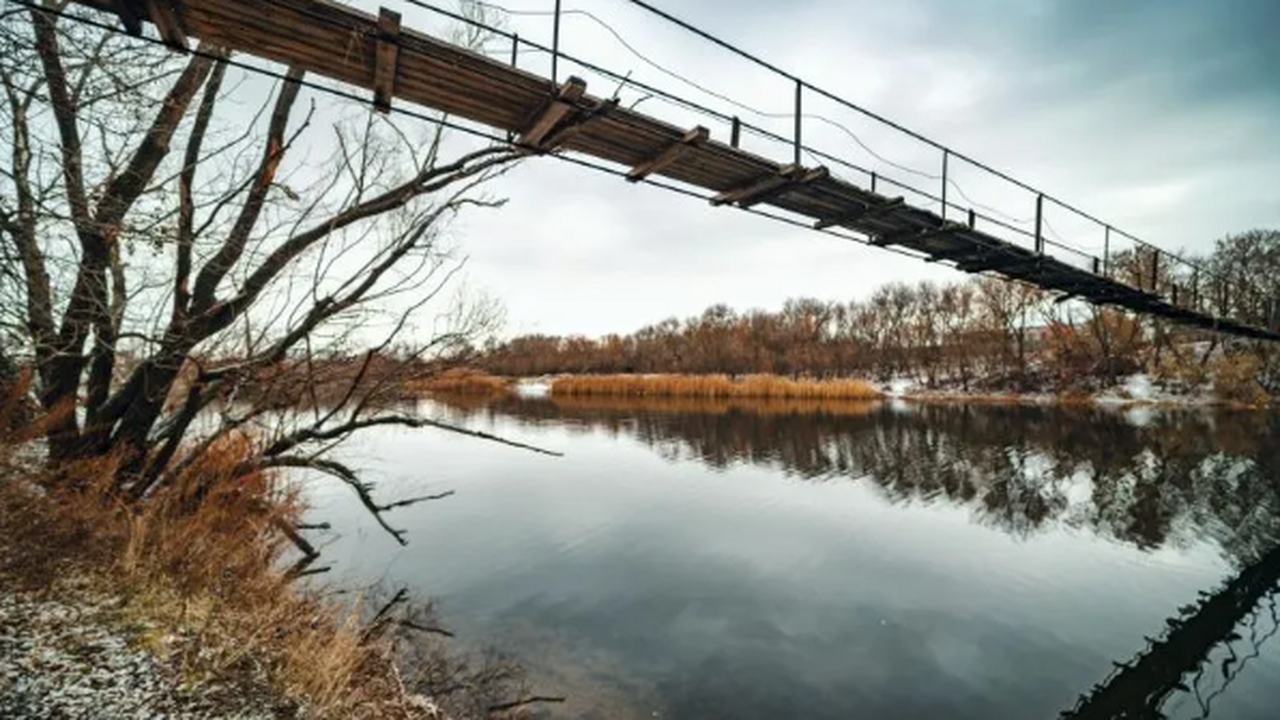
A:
(898, 387)
(1139, 387)
(532, 388)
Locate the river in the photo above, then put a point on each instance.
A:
(690, 559)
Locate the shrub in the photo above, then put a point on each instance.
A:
(1181, 373)
(1235, 380)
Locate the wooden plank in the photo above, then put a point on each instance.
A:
(131, 14)
(910, 238)
(386, 59)
(866, 213)
(576, 125)
(1008, 262)
(165, 17)
(760, 185)
(769, 186)
(555, 112)
(691, 139)
(805, 178)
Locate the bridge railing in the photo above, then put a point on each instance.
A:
(810, 125)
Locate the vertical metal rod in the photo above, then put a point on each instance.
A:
(1195, 288)
(973, 219)
(946, 155)
(735, 131)
(1039, 222)
(515, 49)
(799, 89)
(555, 45)
(1106, 252)
(1155, 271)
(873, 181)
(1174, 289)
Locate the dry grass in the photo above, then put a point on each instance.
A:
(711, 386)
(715, 406)
(206, 582)
(460, 381)
(201, 566)
(1235, 381)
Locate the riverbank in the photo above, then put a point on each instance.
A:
(1134, 390)
(178, 614)
(71, 651)
(712, 386)
(197, 611)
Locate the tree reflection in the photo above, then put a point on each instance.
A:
(1169, 477)
(1152, 479)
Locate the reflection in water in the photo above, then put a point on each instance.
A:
(1170, 479)
(1176, 477)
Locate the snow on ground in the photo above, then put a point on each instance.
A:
(532, 387)
(898, 387)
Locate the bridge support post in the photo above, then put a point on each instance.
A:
(555, 44)
(1155, 271)
(735, 132)
(386, 58)
(1106, 251)
(946, 156)
(799, 89)
(515, 51)
(1039, 224)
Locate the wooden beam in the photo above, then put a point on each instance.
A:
(770, 186)
(955, 254)
(999, 264)
(554, 112)
(165, 16)
(909, 237)
(768, 183)
(578, 122)
(803, 178)
(131, 14)
(664, 159)
(869, 212)
(386, 59)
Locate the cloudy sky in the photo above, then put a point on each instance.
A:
(1160, 116)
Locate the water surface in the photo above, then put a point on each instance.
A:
(714, 560)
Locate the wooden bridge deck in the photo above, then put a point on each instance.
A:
(374, 53)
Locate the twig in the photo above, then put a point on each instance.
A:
(503, 707)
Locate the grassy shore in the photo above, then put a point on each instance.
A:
(716, 406)
(460, 381)
(202, 578)
(711, 386)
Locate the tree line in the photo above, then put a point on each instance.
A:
(981, 333)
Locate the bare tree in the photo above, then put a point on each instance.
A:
(166, 245)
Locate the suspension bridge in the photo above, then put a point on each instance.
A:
(397, 69)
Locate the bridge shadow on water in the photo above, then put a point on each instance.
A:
(1146, 478)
